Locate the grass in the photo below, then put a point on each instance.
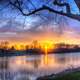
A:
(67, 76)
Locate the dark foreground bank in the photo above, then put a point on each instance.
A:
(69, 74)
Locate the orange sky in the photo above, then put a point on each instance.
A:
(28, 38)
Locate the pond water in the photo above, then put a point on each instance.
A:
(32, 66)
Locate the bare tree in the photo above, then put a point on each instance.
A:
(18, 5)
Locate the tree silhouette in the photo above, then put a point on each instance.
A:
(56, 2)
(18, 4)
(45, 7)
(77, 3)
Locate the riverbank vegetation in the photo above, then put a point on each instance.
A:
(68, 76)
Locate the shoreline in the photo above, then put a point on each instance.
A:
(23, 53)
(64, 72)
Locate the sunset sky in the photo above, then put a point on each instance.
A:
(49, 26)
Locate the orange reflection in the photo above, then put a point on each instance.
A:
(48, 60)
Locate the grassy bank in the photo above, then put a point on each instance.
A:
(67, 76)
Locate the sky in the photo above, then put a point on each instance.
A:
(42, 26)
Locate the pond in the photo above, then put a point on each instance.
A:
(32, 66)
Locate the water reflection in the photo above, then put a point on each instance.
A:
(42, 62)
(38, 65)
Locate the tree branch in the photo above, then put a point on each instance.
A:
(18, 7)
(44, 7)
(77, 3)
(62, 5)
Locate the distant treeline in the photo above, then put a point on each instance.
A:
(59, 48)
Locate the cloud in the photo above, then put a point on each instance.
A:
(7, 34)
(16, 27)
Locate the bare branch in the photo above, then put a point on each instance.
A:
(62, 5)
(77, 3)
(44, 7)
(17, 7)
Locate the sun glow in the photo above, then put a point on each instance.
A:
(46, 45)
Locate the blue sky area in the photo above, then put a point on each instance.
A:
(13, 23)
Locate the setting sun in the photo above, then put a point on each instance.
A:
(47, 45)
